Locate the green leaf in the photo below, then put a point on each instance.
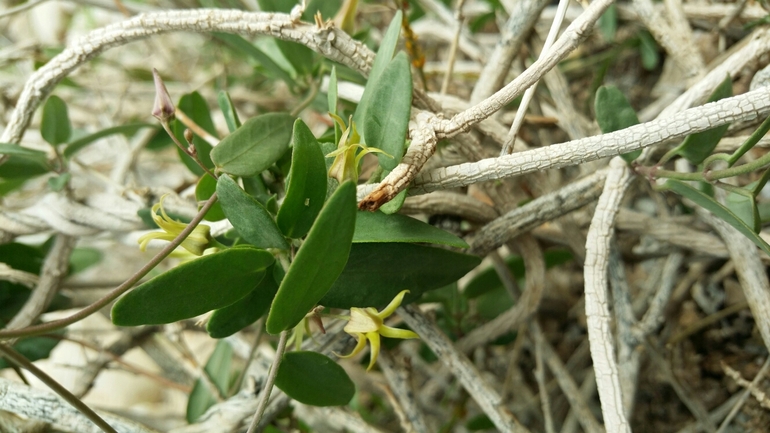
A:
(34, 349)
(381, 61)
(225, 322)
(197, 109)
(717, 209)
(57, 183)
(648, 50)
(387, 113)
(130, 128)
(206, 186)
(613, 113)
(327, 8)
(83, 258)
(228, 110)
(243, 46)
(314, 379)
(300, 56)
(378, 227)
(253, 222)
(608, 23)
(193, 288)
(319, 261)
(55, 126)
(376, 272)
(745, 207)
(698, 147)
(18, 167)
(395, 204)
(306, 189)
(32, 155)
(218, 370)
(255, 146)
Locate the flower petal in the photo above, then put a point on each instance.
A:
(359, 346)
(395, 303)
(373, 338)
(387, 331)
(362, 321)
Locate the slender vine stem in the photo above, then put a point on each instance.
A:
(17, 358)
(271, 375)
(127, 285)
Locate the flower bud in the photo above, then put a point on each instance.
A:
(164, 108)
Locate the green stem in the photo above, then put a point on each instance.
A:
(716, 157)
(19, 359)
(271, 375)
(127, 285)
(761, 183)
(308, 99)
(741, 169)
(184, 150)
(750, 142)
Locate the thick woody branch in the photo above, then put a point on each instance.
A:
(333, 43)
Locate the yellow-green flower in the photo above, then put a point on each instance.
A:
(367, 324)
(347, 156)
(195, 243)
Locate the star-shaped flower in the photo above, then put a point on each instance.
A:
(367, 324)
(195, 243)
(349, 152)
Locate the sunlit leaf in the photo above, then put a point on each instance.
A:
(384, 56)
(255, 146)
(318, 263)
(387, 113)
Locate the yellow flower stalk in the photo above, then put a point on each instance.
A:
(347, 156)
(195, 243)
(367, 324)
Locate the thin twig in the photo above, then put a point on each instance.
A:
(19, 359)
(268, 388)
(115, 293)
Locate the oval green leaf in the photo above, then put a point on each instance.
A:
(318, 262)
(613, 113)
(255, 146)
(717, 209)
(206, 186)
(193, 288)
(55, 126)
(378, 227)
(253, 222)
(197, 109)
(306, 189)
(376, 272)
(314, 379)
(387, 116)
(225, 322)
(697, 147)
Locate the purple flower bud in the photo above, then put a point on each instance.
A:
(163, 109)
